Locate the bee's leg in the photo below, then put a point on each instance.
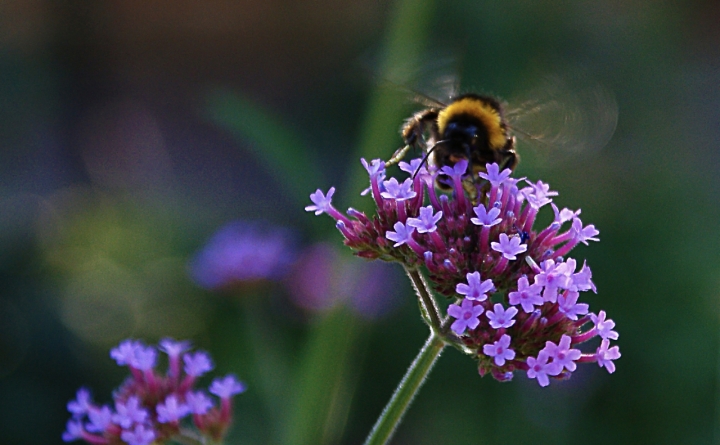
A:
(399, 155)
(413, 132)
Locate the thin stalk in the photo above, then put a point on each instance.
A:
(424, 311)
(426, 300)
(405, 392)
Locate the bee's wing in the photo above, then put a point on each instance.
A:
(565, 116)
(433, 84)
(445, 85)
(414, 95)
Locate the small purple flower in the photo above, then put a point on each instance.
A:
(375, 168)
(604, 327)
(552, 277)
(124, 353)
(476, 289)
(564, 215)
(401, 235)
(486, 218)
(140, 435)
(540, 191)
(81, 404)
(415, 167)
(457, 171)
(399, 192)
(173, 348)
(584, 234)
(73, 431)
(468, 316)
(494, 176)
(568, 305)
(540, 369)
(427, 222)
(198, 402)
(500, 317)
(509, 247)
(582, 280)
(129, 412)
(171, 410)
(528, 296)
(197, 364)
(100, 419)
(537, 202)
(500, 350)
(321, 202)
(227, 387)
(561, 354)
(606, 356)
(144, 358)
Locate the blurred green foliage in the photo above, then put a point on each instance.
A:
(116, 165)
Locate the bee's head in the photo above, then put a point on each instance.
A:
(464, 137)
(458, 131)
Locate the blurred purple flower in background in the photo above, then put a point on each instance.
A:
(243, 252)
(322, 278)
(311, 283)
(373, 288)
(316, 278)
(149, 406)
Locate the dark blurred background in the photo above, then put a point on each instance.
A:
(132, 131)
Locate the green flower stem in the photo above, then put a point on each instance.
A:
(316, 414)
(427, 302)
(403, 396)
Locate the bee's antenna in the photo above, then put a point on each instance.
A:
(427, 155)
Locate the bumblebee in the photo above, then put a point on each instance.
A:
(479, 128)
(471, 127)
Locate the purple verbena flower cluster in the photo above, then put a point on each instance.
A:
(516, 294)
(152, 408)
(243, 252)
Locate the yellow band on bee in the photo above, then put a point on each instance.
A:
(479, 109)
